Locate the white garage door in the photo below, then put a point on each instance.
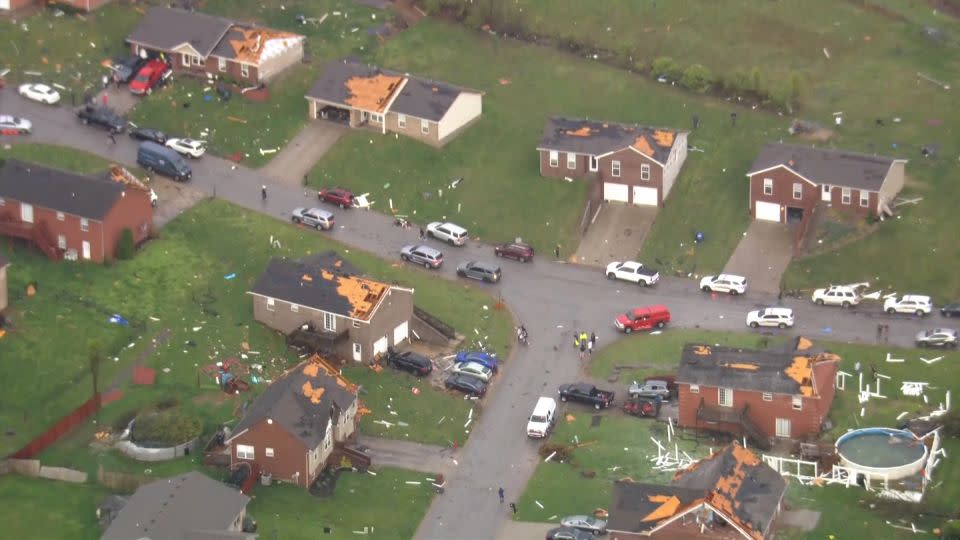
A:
(768, 211)
(616, 192)
(4, 4)
(380, 346)
(646, 196)
(400, 333)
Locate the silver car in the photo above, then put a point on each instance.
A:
(313, 217)
(12, 125)
(585, 523)
(475, 370)
(938, 337)
(420, 254)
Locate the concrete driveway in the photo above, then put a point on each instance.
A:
(762, 255)
(616, 235)
(173, 198)
(296, 159)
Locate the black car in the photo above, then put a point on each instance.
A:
(466, 384)
(568, 533)
(410, 361)
(125, 69)
(149, 134)
(951, 310)
(104, 117)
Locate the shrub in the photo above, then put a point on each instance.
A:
(697, 78)
(167, 403)
(665, 66)
(167, 428)
(125, 247)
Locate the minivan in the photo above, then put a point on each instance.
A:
(542, 419)
(160, 159)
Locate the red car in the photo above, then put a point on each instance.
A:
(337, 196)
(643, 318)
(514, 250)
(154, 73)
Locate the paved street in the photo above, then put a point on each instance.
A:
(551, 299)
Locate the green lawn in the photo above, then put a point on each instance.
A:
(61, 157)
(38, 509)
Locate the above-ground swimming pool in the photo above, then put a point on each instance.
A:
(893, 452)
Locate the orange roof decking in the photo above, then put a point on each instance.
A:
(372, 93)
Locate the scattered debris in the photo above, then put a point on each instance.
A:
(928, 78)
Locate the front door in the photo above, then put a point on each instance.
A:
(783, 428)
(825, 193)
(594, 164)
(26, 212)
(86, 249)
(356, 352)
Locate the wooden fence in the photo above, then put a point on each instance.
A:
(61, 428)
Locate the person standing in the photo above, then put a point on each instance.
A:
(556, 252)
(593, 339)
(513, 508)
(576, 339)
(583, 348)
(501, 495)
(263, 192)
(113, 138)
(590, 347)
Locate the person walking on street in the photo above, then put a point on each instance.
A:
(113, 138)
(263, 192)
(513, 508)
(501, 495)
(584, 338)
(593, 339)
(583, 348)
(879, 332)
(576, 339)
(590, 348)
(556, 252)
(422, 234)
(886, 333)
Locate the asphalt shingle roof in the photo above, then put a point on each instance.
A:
(635, 507)
(826, 166)
(429, 100)
(598, 138)
(166, 28)
(58, 190)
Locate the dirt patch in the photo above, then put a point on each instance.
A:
(212, 398)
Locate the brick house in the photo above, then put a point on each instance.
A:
(84, 5)
(359, 95)
(4, 263)
(633, 164)
(70, 215)
(358, 317)
(194, 42)
(788, 183)
(291, 429)
(730, 495)
(785, 393)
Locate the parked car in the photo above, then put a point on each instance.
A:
(589, 524)
(148, 134)
(14, 125)
(410, 361)
(780, 317)
(543, 417)
(153, 74)
(421, 254)
(586, 393)
(474, 369)
(911, 303)
(514, 250)
(643, 318)
(650, 388)
(188, 147)
(480, 271)
(937, 337)
(313, 217)
(837, 295)
(951, 310)
(568, 533)
(453, 234)
(39, 92)
(466, 384)
(103, 117)
(337, 196)
(724, 283)
(125, 69)
(484, 358)
(633, 272)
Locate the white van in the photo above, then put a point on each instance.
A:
(542, 419)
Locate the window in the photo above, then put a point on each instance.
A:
(62, 241)
(615, 169)
(60, 216)
(424, 126)
(554, 159)
(864, 198)
(268, 452)
(26, 212)
(84, 224)
(244, 71)
(694, 388)
(244, 451)
(294, 308)
(197, 61)
(571, 160)
(845, 195)
(185, 59)
(645, 172)
(222, 64)
(783, 427)
(402, 121)
(725, 397)
(797, 190)
(376, 118)
(271, 304)
(767, 396)
(594, 163)
(356, 324)
(356, 349)
(797, 403)
(329, 322)
(768, 186)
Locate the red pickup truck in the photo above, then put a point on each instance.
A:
(152, 74)
(643, 318)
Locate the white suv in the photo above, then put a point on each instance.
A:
(836, 295)
(910, 303)
(542, 419)
(727, 283)
(780, 317)
(453, 234)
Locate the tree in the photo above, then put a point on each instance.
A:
(94, 360)
(665, 66)
(125, 246)
(697, 78)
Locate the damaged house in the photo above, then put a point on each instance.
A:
(631, 163)
(730, 495)
(359, 95)
(194, 42)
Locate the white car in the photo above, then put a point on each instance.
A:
(12, 125)
(451, 233)
(725, 283)
(837, 295)
(188, 147)
(780, 317)
(910, 303)
(474, 369)
(632, 271)
(153, 198)
(39, 92)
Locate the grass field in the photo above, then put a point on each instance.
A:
(38, 509)
(61, 157)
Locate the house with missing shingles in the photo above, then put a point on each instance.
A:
(366, 96)
(730, 495)
(194, 42)
(190, 506)
(357, 317)
(783, 393)
(632, 163)
(292, 429)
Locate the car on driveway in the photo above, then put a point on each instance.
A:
(514, 250)
(650, 388)
(188, 147)
(484, 358)
(14, 125)
(911, 303)
(724, 283)
(568, 533)
(643, 318)
(450, 233)
(466, 384)
(337, 196)
(779, 317)
(125, 69)
(103, 117)
(420, 254)
(149, 134)
(39, 92)
(474, 369)
(313, 217)
(938, 337)
(951, 310)
(153, 74)
(633, 272)
(480, 271)
(589, 524)
(837, 295)
(410, 361)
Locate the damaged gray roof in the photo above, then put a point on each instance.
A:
(166, 28)
(596, 138)
(741, 369)
(283, 280)
(826, 166)
(632, 504)
(63, 191)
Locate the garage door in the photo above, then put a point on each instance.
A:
(768, 211)
(646, 196)
(380, 346)
(400, 333)
(616, 192)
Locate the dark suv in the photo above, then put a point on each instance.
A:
(104, 117)
(410, 361)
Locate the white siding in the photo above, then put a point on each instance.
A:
(678, 154)
(270, 68)
(467, 107)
